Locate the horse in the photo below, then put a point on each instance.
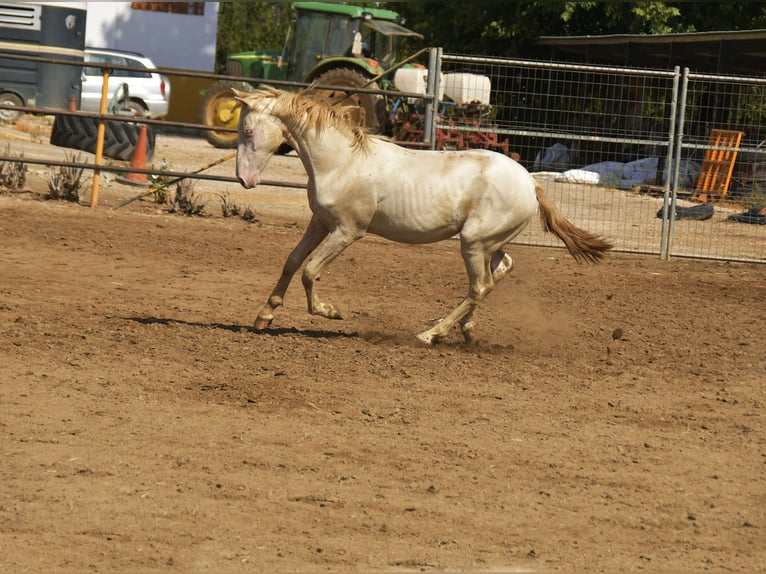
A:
(359, 184)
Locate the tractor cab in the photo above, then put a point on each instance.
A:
(324, 34)
(337, 45)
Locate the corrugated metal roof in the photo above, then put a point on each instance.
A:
(741, 52)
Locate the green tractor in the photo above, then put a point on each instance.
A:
(330, 45)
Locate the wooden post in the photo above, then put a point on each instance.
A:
(100, 140)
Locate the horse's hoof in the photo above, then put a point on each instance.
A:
(327, 311)
(262, 323)
(468, 332)
(427, 338)
(503, 268)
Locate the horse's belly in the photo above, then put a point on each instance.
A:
(409, 234)
(415, 225)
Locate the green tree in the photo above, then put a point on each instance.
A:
(493, 28)
(500, 28)
(247, 26)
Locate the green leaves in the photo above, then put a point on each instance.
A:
(489, 27)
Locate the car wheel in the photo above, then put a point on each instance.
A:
(138, 109)
(9, 99)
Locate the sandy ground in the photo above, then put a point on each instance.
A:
(611, 418)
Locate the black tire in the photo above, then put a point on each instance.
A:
(366, 105)
(120, 138)
(220, 109)
(10, 99)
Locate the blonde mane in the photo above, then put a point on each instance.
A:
(302, 112)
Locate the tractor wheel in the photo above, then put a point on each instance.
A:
(365, 115)
(219, 108)
(120, 138)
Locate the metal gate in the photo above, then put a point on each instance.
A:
(627, 152)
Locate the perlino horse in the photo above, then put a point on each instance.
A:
(360, 184)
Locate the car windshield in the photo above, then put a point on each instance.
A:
(138, 71)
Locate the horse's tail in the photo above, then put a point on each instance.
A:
(583, 246)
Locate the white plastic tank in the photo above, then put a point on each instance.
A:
(413, 80)
(466, 88)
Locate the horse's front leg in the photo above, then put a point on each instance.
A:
(313, 236)
(338, 240)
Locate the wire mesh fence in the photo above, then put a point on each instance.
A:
(662, 162)
(722, 132)
(626, 152)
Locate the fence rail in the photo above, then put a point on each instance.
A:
(624, 150)
(621, 150)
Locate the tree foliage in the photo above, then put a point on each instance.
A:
(500, 28)
(247, 26)
(489, 27)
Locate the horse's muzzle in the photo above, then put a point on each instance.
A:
(250, 181)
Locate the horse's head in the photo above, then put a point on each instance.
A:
(260, 135)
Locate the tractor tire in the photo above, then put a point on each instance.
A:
(367, 105)
(120, 138)
(220, 109)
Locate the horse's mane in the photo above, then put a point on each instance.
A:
(305, 112)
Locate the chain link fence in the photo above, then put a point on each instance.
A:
(664, 162)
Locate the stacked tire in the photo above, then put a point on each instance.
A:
(120, 138)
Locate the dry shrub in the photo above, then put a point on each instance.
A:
(231, 208)
(13, 173)
(187, 201)
(66, 182)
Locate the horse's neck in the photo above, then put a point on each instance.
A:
(321, 152)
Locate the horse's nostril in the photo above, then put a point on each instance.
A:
(242, 182)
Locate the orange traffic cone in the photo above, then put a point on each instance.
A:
(138, 160)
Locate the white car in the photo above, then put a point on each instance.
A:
(148, 91)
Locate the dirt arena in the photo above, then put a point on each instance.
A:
(611, 418)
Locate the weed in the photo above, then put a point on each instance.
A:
(230, 208)
(187, 201)
(65, 183)
(13, 173)
(160, 184)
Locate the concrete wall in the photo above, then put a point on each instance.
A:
(171, 40)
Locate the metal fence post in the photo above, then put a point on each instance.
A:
(670, 166)
(432, 89)
(677, 163)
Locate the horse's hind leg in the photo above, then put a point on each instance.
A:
(313, 236)
(477, 263)
(500, 265)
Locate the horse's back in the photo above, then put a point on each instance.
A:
(464, 166)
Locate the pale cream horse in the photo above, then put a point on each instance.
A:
(360, 184)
